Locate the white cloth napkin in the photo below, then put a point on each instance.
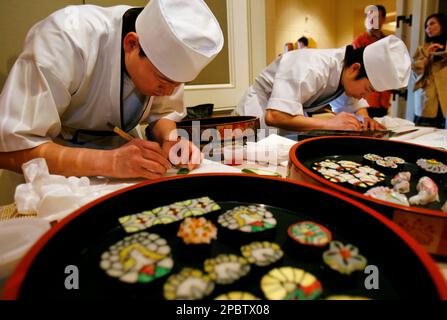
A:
(54, 197)
(393, 123)
(273, 150)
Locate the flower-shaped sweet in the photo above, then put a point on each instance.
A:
(344, 259)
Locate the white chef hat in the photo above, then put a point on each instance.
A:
(387, 64)
(180, 37)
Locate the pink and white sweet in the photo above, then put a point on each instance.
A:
(428, 192)
(401, 182)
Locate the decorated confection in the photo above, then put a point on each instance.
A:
(310, 233)
(395, 160)
(262, 254)
(241, 296)
(226, 269)
(372, 157)
(346, 164)
(189, 284)
(140, 258)
(168, 214)
(289, 283)
(350, 172)
(197, 231)
(248, 219)
(401, 182)
(432, 166)
(328, 164)
(388, 195)
(428, 192)
(344, 259)
(387, 164)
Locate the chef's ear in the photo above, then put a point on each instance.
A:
(354, 69)
(131, 42)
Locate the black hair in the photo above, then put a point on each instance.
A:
(442, 38)
(355, 56)
(129, 19)
(381, 9)
(304, 41)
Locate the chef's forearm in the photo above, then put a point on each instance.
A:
(164, 130)
(285, 121)
(62, 160)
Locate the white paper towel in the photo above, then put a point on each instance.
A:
(54, 197)
(273, 150)
(393, 123)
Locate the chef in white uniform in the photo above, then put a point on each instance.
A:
(303, 81)
(86, 66)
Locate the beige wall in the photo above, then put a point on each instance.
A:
(287, 20)
(16, 18)
(350, 17)
(291, 19)
(217, 72)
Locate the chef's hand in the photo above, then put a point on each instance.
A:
(139, 159)
(343, 121)
(371, 124)
(182, 154)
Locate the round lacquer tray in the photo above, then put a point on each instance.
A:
(427, 224)
(80, 240)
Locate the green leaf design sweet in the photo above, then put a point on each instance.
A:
(140, 258)
(249, 219)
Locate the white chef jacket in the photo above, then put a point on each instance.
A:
(68, 79)
(297, 82)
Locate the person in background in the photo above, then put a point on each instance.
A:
(302, 43)
(379, 102)
(304, 81)
(86, 68)
(288, 46)
(430, 67)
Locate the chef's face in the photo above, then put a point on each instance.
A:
(357, 88)
(145, 76)
(433, 28)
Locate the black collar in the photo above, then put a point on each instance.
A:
(129, 20)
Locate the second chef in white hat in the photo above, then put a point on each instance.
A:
(303, 81)
(86, 67)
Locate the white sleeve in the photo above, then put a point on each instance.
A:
(39, 88)
(30, 106)
(294, 84)
(348, 104)
(170, 107)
